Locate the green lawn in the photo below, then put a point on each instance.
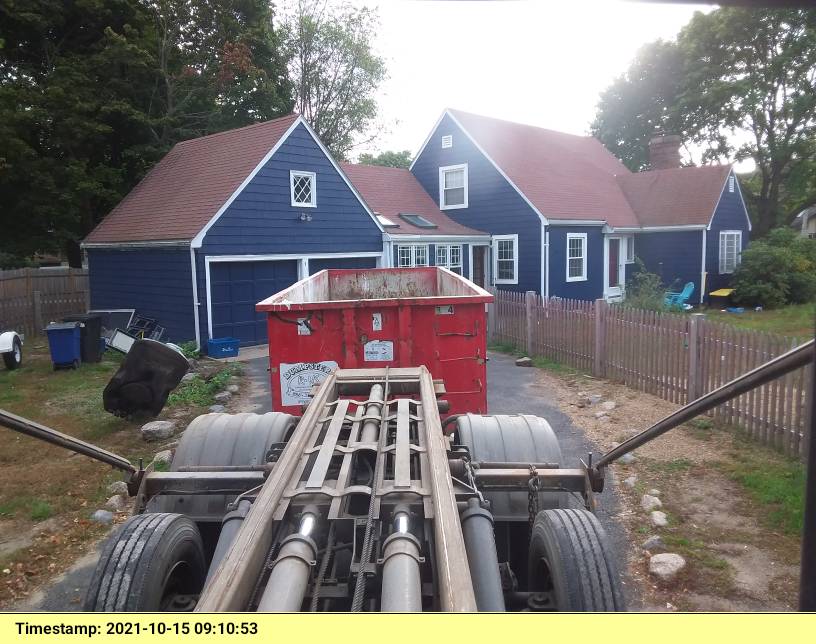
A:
(796, 320)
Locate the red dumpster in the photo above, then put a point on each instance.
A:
(399, 317)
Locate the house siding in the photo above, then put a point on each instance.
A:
(261, 220)
(590, 289)
(494, 206)
(730, 214)
(155, 282)
(675, 256)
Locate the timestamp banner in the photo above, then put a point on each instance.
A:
(624, 628)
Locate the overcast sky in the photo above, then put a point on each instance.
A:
(543, 63)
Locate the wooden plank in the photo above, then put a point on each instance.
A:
(321, 465)
(788, 384)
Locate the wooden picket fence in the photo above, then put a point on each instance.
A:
(30, 298)
(675, 356)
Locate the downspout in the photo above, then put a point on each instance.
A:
(547, 263)
(703, 270)
(195, 296)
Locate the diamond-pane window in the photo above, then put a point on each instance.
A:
(303, 189)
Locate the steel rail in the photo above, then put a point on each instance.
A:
(43, 433)
(779, 366)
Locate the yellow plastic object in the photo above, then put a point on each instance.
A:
(722, 292)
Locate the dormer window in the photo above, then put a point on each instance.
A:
(303, 187)
(453, 187)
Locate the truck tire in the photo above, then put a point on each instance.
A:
(217, 440)
(14, 358)
(147, 564)
(570, 557)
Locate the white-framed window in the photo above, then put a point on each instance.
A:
(447, 141)
(628, 249)
(730, 250)
(449, 256)
(303, 186)
(505, 259)
(410, 255)
(453, 187)
(731, 182)
(576, 257)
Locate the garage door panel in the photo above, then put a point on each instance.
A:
(317, 265)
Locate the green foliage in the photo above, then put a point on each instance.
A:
(85, 112)
(335, 70)
(388, 158)
(40, 510)
(190, 350)
(738, 82)
(200, 391)
(645, 290)
(778, 270)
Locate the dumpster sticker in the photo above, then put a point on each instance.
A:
(445, 310)
(378, 351)
(298, 379)
(376, 322)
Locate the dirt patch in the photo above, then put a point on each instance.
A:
(734, 563)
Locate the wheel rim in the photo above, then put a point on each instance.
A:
(18, 353)
(179, 584)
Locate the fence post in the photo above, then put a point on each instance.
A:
(694, 384)
(529, 306)
(491, 315)
(600, 337)
(38, 319)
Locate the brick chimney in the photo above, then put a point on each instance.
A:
(664, 151)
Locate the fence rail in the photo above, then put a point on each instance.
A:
(30, 298)
(675, 356)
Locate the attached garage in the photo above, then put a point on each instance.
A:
(235, 288)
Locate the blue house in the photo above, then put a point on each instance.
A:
(567, 218)
(226, 220)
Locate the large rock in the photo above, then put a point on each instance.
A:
(118, 487)
(222, 397)
(116, 503)
(630, 481)
(665, 566)
(157, 430)
(659, 519)
(649, 502)
(165, 457)
(524, 362)
(653, 543)
(187, 377)
(608, 405)
(654, 492)
(102, 516)
(233, 389)
(600, 414)
(627, 459)
(217, 409)
(594, 399)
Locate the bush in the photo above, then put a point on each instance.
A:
(778, 270)
(645, 290)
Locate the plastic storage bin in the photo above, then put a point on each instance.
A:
(373, 318)
(64, 344)
(89, 335)
(223, 347)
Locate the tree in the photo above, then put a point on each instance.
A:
(334, 70)
(93, 93)
(740, 83)
(388, 158)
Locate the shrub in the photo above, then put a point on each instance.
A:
(190, 350)
(778, 270)
(645, 290)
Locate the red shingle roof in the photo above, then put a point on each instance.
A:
(391, 191)
(564, 176)
(186, 188)
(679, 196)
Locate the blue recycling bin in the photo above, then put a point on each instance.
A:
(64, 343)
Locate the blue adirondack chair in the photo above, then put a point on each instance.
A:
(679, 299)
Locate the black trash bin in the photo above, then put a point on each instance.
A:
(89, 335)
(149, 372)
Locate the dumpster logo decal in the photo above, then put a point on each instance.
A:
(298, 379)
(378, 351)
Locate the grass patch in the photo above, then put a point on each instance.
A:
(671, 467)
(795, 320)
(40, 510)
(506, 347)
(776, 483)
(538, 361)
(201, 391)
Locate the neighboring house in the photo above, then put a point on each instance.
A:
(226, 220)
(567, 218)
(805, 222)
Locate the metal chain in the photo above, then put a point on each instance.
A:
(532, 498)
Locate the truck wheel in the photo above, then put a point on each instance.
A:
(571, 559)
(14, 358)
(153, 562)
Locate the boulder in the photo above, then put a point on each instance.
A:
(158, 430)
(116, 503)
(233, 389)
(102, 516)
(600, 414)
(659, 519)
(608, 405)
(118, 487)
(649, 502)
(187, 377)
(165, 456)
(217, 409)
(654, 492)
(627, 459)
(594, 399)
(222, 397)
(653, 543)
(630, 481)
(665, 566)
(524, 362)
